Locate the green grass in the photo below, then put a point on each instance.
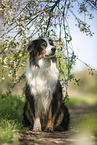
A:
(11, 110)
(11, 113)
(8, 130)
(78, 99)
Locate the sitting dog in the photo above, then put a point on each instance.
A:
(44, 109)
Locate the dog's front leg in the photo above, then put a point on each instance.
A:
(37, 124)
(50, 123)
(51, 119)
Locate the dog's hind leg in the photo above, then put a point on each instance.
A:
(62, 119)
(27, 118)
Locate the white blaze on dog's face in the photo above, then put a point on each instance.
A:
(42, 73)
(50, 49)
(41, 48)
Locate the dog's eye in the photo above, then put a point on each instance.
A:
(43, 45)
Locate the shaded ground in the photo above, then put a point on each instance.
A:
(83, 130)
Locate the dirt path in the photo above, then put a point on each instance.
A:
(78, 134)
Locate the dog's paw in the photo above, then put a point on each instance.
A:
(49, 129)
(37, 125)
(37, 129)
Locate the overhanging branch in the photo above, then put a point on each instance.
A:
(51, 10)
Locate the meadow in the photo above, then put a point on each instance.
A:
(11, 109)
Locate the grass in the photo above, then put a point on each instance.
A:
(8, 130)
(11, 110)
(79, 98)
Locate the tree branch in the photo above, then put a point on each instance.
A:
(92, 4)
(51, 10)
(54, 5)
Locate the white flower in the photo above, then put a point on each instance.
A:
(5, 60)
(9, 75)
(3, 78)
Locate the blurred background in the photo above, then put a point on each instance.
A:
(82, 102)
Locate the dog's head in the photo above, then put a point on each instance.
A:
(41, 48)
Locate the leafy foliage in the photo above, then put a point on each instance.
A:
(26, 20)
(11, 110)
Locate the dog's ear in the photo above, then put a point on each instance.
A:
(32, 49)
(31, 46)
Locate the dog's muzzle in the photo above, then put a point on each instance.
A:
(52, 53)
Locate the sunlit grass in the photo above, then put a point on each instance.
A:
(9, 130)
(85, 121)
(86, 126)
(11, 113)
(11, 110)
(79, 98)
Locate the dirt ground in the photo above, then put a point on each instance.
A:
(78, 134)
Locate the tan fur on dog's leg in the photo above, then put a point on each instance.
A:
(50, 123)
(51, 120)
(37, 124)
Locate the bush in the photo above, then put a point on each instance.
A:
(11, 110)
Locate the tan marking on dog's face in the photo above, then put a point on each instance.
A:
(42, 54)
(43, 45)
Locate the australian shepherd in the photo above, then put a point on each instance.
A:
(44, 109)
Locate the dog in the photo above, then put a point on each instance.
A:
(44, 109)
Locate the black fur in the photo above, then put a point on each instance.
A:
(57, 97)
(35, 48)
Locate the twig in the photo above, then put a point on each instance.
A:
(92, 5)
(9, 31)
(52, 8)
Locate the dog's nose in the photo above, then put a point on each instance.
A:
(53, 49)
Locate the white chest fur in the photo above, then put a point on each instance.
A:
(42, 81)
